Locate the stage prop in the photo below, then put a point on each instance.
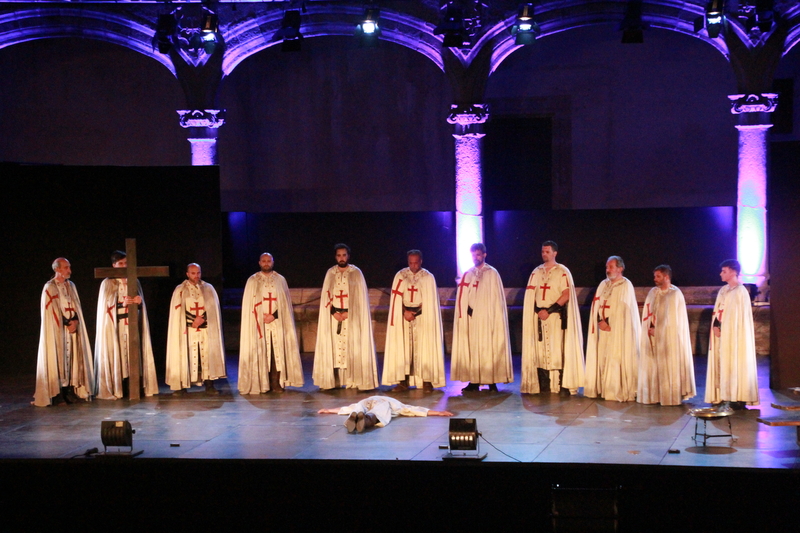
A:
(133, 273)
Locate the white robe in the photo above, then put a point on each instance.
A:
(612, 357)
(732, 375)
(481, 346)
(255, 357)
(666, 368)
(414, 349)
(359, 368)
(179, 351)
(110, 369)
(548, 353)
(55, 367)
(384, 408)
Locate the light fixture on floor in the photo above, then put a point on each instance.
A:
(525, 28)
(463, 440)
(117, 434)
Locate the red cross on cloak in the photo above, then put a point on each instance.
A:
(258, 320)
(330, 299)
(719, 315)
(341, 297)
(50, 299)
(412, 290)
(109, 309)
(649, 314)
(396, 292)
(461, 286)
(566, 279)
(544, 290)
(603, 309)
(270, 298)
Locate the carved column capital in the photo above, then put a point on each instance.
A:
(753, 103)
(201, 118)
(468, 119)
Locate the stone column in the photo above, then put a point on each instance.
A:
(751, 203)
(203, 125)
(468, 124)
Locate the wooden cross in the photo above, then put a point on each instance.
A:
(132, 273)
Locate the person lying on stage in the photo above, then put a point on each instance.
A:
(377, 411)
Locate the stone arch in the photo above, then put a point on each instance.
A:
(563, 16)
(245, 38)
(124, 29)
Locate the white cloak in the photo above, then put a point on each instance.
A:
(570, 357)
(732, 375)
(360, 368)
(110, 369)
(666, 367)
(254, 349)
(428, 359)
(481, 346)
(178, 374)
(612, 357)
(52, 364)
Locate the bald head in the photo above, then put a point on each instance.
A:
(266, 262)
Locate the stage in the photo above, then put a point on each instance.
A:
(210, 446)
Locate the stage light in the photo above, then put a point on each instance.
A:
(714, 20)
(368, 31)
(632, 25)
(210, 23)
(117, 433)
(290, 31)
(165, 31)
(452, 27)
(525, 28)
(463, 440)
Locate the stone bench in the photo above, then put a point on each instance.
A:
(699, 300)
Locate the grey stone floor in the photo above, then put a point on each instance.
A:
(542, 428)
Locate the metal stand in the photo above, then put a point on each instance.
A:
(710, 414)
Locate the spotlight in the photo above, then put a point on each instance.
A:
(209, 31)
(632, 25)
(714, 20)
(369, 30)
(290, 31)
(165, 30)
(452, 26)
(117, 433)
(525, 28)
(210, 23)
(463, 440)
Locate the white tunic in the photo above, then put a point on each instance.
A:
(416, 348)
(558, 348)
(666, 368)
(732, 375)
(481, 346)
(194, 354)
(349, 353)
(64, 359)
(612, 357)
(268, 293)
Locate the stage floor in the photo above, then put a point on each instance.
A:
(545, 428)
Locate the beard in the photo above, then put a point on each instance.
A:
(342, 264)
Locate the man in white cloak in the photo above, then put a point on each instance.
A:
(552, 338)
(481, 347)
(414, 353)
(64, 368)
(612, 351)
(195, 349)
(269, 354)
(666, 367)
(732, 374)
(345, 349)
(111, 341)
(377, 411)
